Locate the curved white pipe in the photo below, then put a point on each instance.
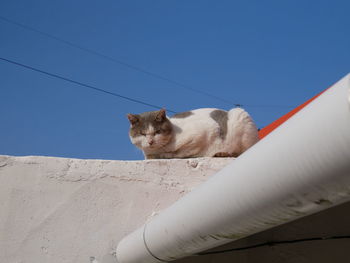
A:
(300, 168)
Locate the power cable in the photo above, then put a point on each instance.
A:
(118, 61)
(83, 84)
(136, 68)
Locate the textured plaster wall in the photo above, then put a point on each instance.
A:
(56, 210)
(69, 210)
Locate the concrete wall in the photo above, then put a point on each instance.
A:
(69, 210)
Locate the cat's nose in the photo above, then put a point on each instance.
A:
(150, 142)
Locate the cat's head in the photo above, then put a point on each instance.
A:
(150, 130)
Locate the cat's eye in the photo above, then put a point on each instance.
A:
(143, 134)
(158, 131)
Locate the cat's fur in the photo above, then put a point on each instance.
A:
(197, 133)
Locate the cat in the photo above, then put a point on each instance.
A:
(202, 132)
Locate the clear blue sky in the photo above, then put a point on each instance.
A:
(266, 55)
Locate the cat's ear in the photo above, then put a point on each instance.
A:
(133, 118)
(161, 115)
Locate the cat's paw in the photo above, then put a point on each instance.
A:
(222, 154)
(225, 154)
(152, 156)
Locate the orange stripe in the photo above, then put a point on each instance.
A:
(266, 130)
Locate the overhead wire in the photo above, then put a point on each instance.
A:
(136, 68)
(83, 84)
(118, 61)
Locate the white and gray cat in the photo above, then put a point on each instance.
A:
(196, 133)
